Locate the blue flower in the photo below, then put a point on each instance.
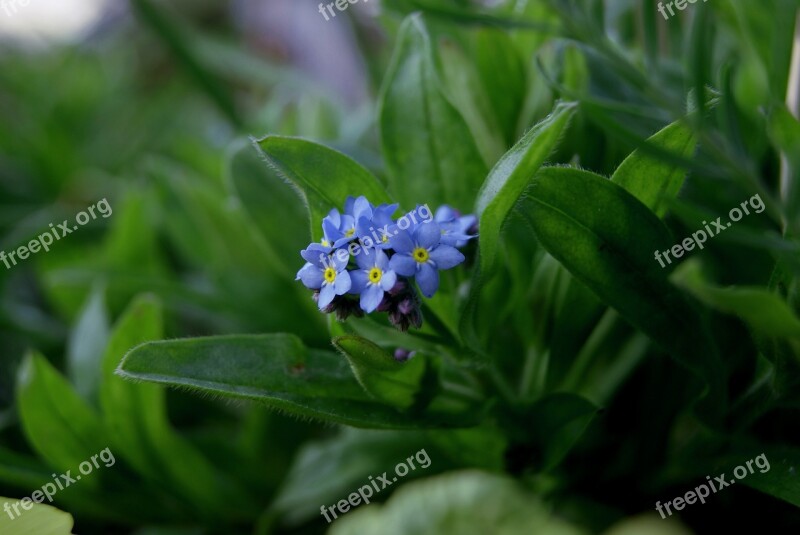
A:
(325, 272)
(338, 229)
(455, 228)
(372, 279)
(375, 226)
(421, 254)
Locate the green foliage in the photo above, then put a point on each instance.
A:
(563, 381)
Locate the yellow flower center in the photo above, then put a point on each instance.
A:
(375, 275)
(330, 275)
(325, 243)
(385, 239)
(349, 232)
(421, 255)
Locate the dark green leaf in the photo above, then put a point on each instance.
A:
(275, 369)
(322, 176)
(392, 382)
(431, 156)
(610, 250)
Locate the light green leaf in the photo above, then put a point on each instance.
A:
(455, 504)
(652, 180)
(430, 154)
(86, 344)
(39, 520)
(58, 423)
(323, 177)
(512, 174)
(498, 195)
(765, 312)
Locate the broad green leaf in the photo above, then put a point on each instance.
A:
(86, 344)
(466, 90)
(41, 519)
(454, 504)
(386, 379)
(136, 418)
(499, 193)
(58, 423)
(133, 413)
(652, 180)
(503, 74)
(765, 312)
(275, 369)
(323, 177)
(430, 154)
(610, 250)
(512, 174)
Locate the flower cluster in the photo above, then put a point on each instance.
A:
(364, 252)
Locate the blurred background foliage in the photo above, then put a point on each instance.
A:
(153, 104)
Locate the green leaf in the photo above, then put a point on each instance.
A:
(610, 250)
(512, 174)
(430, 154)
(503, 74)
(86, 344)
(136, 417)
(765, 312)
(386, 379)
(58, 423)
(774, 469)
(652, 180)
(557, 422)
(323, 177)
(275, 369)
(324, 472)
(454, 504)
(501, 190)
(39, 520)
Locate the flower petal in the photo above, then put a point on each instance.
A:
(326, 295)
(371, 297)
(403, 264)
(446, 257)
(339, 259)
(316, 254)
(427, 279)
(401, 242)
(428, 235)
(342, 283)
(365, 259)
(362, 208)
(311, 276)
(359, 279)
(388, 280)
(445, 214)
